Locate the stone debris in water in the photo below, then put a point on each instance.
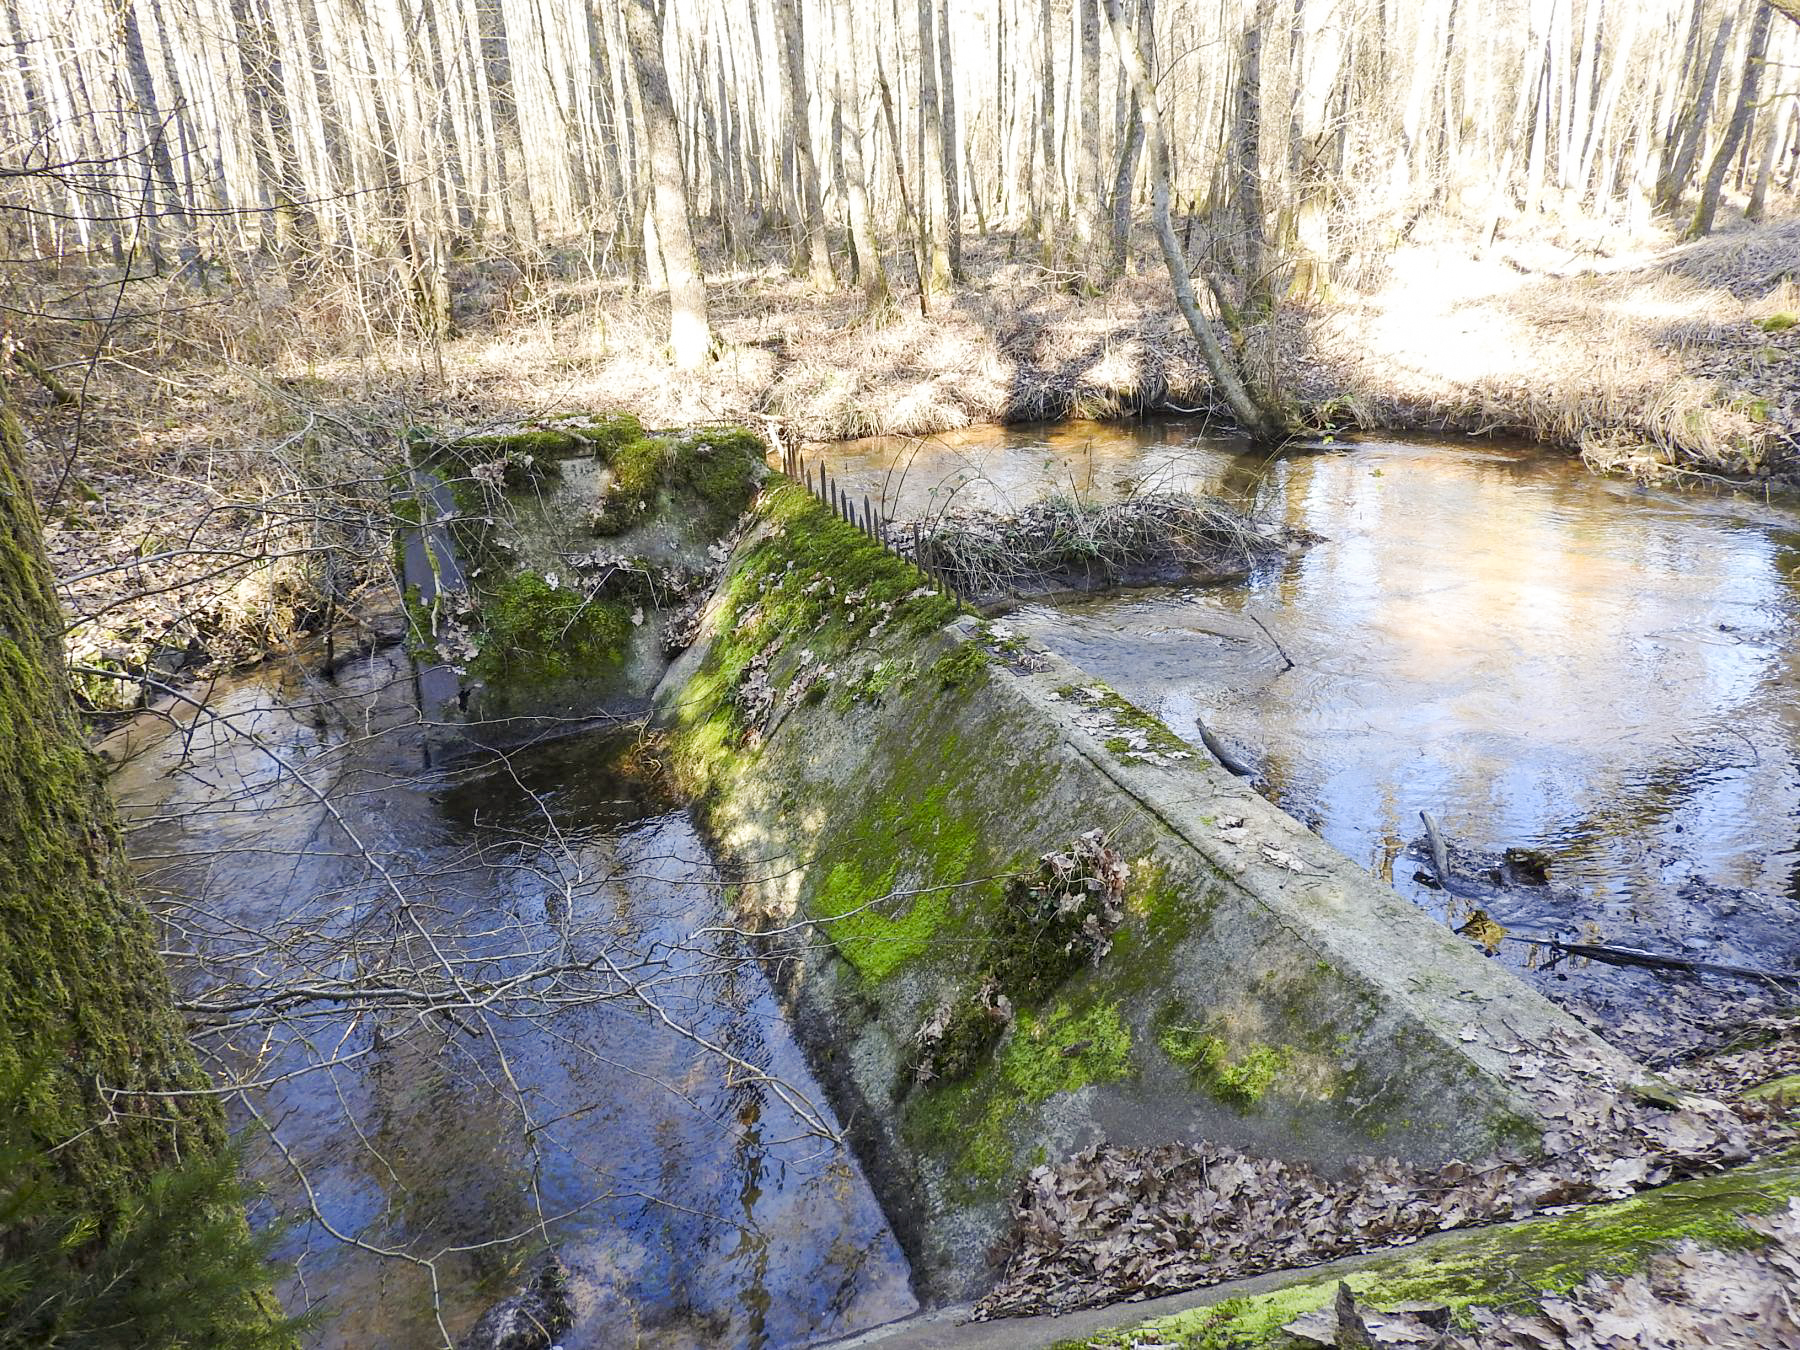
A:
(1112, 1223)
(531, 1319)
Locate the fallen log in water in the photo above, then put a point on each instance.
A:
(1217, 748)
(1631, 956)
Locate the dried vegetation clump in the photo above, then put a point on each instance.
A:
(1112, 1223)
(1063, 542)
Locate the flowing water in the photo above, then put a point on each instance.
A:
(657, 1127)
(1541, 658)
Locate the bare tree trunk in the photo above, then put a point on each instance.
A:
(1047, 201)
(1676, 171)
(1087, 159)
(1126, 174)
(1246, 167)
(862, 227)
(948, 157)
(1264, 426)
(811, 246)
(1775, 137)
(690, 332)
(933, 171)
(1739, 127)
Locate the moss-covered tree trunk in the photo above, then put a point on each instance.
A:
(116, 1201)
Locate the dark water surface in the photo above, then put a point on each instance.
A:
(1539, 657)
(640, 1137)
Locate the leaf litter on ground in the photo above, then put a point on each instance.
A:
(1114, 1223)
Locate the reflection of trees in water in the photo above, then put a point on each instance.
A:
(464, 1043)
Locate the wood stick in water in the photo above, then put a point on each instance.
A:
(1440, 855)
(1216, 748)
(1631, 956)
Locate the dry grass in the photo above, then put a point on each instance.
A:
(1063, 542)
(218, 419)
(1641, 356)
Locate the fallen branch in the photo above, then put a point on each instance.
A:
(1217, 748)
(1287, 662)
(1631, 956)
(1440, 854)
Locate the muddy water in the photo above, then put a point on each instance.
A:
(1539, 657)
(658, 1141)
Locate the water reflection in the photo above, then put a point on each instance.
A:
(1539, 657)
(637, 1134)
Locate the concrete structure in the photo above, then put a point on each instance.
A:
(886, 784)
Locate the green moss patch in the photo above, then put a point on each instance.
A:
(973, 1123)
(713, 469)
(1503, 1266)
(534, 634)
(1240, 1079)
(809, 581)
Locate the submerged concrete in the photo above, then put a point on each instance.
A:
(1204, 967)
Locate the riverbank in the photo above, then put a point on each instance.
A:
(225, 491)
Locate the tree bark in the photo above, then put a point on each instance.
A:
(99, 1087)
(933, 171)
(1246, 166)
(1087, 158)
(862, 226)
(1738, 128)
(690, 331)
(948, 138)
(1693, 126)
(1125, 176)
(811, 247)
(1263, 426)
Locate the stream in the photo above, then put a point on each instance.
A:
(1539, 657)
(648, 1122)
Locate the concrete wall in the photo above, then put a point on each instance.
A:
(1261, 991)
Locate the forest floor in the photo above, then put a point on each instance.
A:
(190, 520)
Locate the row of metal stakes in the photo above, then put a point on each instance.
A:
(865, 518)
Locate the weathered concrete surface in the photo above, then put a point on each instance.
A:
(1262, 991)
(546, 566)
(1493, 1265)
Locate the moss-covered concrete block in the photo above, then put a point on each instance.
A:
(881, 768)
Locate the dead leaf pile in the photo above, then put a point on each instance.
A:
(1122, 1222)
(1689, 1296)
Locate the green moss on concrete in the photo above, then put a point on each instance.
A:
(960, 667)
(583, 434)
(1240, 1079)
(1504, 1265)
(810, 580)
(972, 1125)
(1063, 1051)
(1127, 720)
(876, 939)
(713, 469)
(534, 635)
(910, 844)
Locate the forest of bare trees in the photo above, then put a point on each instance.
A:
(381, 141)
